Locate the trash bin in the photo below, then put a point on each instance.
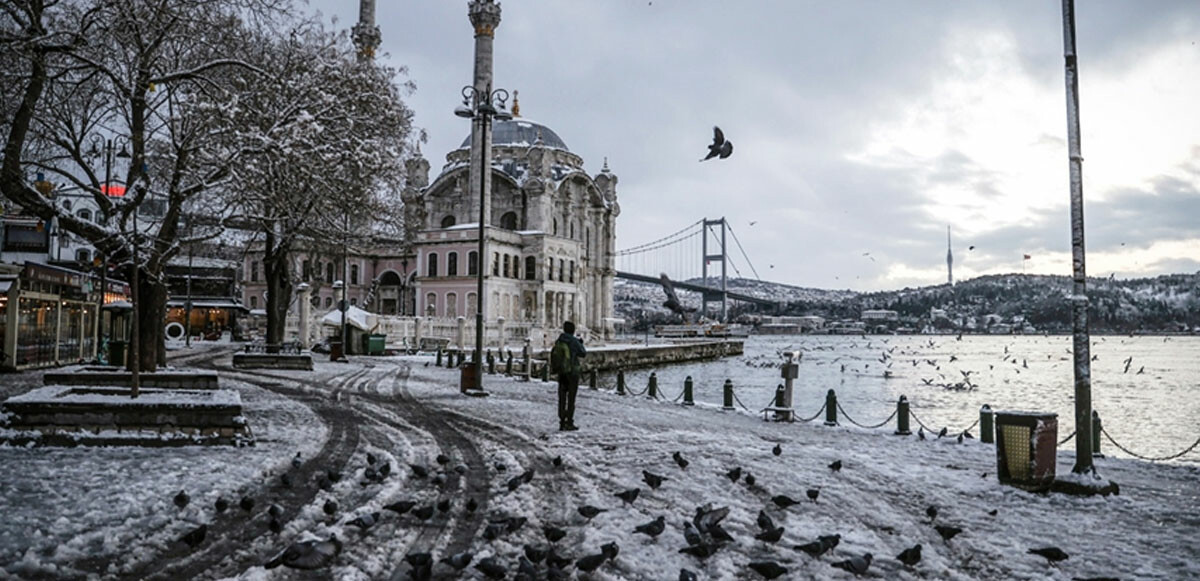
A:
(335, 349)
(116, 353)
(468, 379)
(373, 344)
(1026, 447)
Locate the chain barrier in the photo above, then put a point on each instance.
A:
(970, 426)
(636, 393)
(919, 422)
(678, 397)
(1066, 439)
(815, 416)
(1147, 458)
(739, 402)
(851, 420)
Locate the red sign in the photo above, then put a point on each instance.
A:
(113, 190)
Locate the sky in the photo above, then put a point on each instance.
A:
(861, 130)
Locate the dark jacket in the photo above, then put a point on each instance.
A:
(577, 352)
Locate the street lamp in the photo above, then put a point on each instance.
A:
(482, 105)
(102, 215)
(341, 305)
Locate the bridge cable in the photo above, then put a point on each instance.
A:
(739, 245)
(655, 243)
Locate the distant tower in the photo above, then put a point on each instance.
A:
(485, 18)
(949, 260)
(366, 34)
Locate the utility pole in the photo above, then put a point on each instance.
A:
(1079, 300)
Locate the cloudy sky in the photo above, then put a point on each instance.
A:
(862, 129)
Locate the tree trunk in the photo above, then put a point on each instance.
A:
(152, 315)
(279, 287)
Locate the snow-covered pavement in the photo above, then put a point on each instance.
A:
(109, 510)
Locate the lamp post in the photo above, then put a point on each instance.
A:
(102, 217)
(482, 105)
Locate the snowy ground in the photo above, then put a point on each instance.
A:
(71, 511)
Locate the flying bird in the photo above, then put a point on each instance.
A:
(720, 146)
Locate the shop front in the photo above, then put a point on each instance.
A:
(47, 316)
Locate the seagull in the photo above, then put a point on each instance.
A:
(720, 147)
(308, 555)
(910, 556)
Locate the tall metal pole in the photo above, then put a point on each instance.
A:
(103, 217)
(1079, 301)
(135, 343)
(344, 305)
(187, 307)
(483, 104)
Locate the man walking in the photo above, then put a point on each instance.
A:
(564, 362)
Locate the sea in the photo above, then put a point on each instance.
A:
(1146, 389)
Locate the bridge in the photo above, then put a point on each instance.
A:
(687, 255)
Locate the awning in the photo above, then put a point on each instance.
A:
(208, 303)
(355, 317)
(5, 285)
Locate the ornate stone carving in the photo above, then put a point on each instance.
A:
(485, 17)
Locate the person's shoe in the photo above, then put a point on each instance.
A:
(571, 427)
(562, 426)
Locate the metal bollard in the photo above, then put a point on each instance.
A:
(546, 372)
(687, 392)
(902, 417)
(491, 363)
(1095, 435)
(779, 396)
(831, 408)
(652, 387)
(508, 364)
(439, 356)
(450, 359)
(987, 425)
(592, 379)
(728, 395)
(620, 382)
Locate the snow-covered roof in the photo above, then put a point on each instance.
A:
(355, 317)
(521, 132)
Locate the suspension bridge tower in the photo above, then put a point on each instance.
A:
(713, 295)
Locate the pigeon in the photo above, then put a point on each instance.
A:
(822, 545)
(424, 512)
(628, 496)
(765, 522)
(784, 501)
(701, 550)
(960, 438)
(910, 556)
(691, 535)
(557, 574)
(653, 528)
(385, 470)
(296, 461)
(932, 513)
(182, 499)
(553, 534)
(275, 526)
(921, 434)
(500, 467)
(768, 569)
(334, 475)
(947, 532)
(686, 575)
(419, 471)
(443, 505)
(285, 480)
(323, 483)
(734, 475)
(330, 507)
(556, 561)
(706, 517)
(1052, 554)
(371, 459)
(535, 554)
(526, 569)
(246, 503)
(812, 494)
(491, 568)
(836, 465)
(275, 510)
(557, 461)
(460, 468)
(195, 536)
(720, 147)
(770, 536)
(777, 450)
(749, 479)
(719, 534)
(589, 512)
(590, 563)
(472, 505)
(527, 476)
(221, 504)
(515, 482)
(443, 459)
(308, 555)
(942, 433)
(653, 480)
(856, 565)
(365, 521)
(514, 523)
(993, 512)
(494, 531)
(400, 506)
(679, 459)
(422, 565)
(610, 550)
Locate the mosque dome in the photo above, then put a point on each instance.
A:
(521, 132)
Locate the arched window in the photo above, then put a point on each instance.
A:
(85, 214)
(572, 229)
(253, 271)
(571, 273)
(452, 264)
(472, 263)
(495, 264)
(353, 274)
(354, 301)
(516, 261)
(549, 269)
(448, 221)
(451, 305)
(328, 302)
(556, 226)
(560, 270)
(471, 300)
(506, 269)
(431, 305)
(509, 221)
(82, 257)
(315, 300)
(67, 204)
(431, 265)
(530, 268)
(307, 270)
(329, 272)
(253, 302)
